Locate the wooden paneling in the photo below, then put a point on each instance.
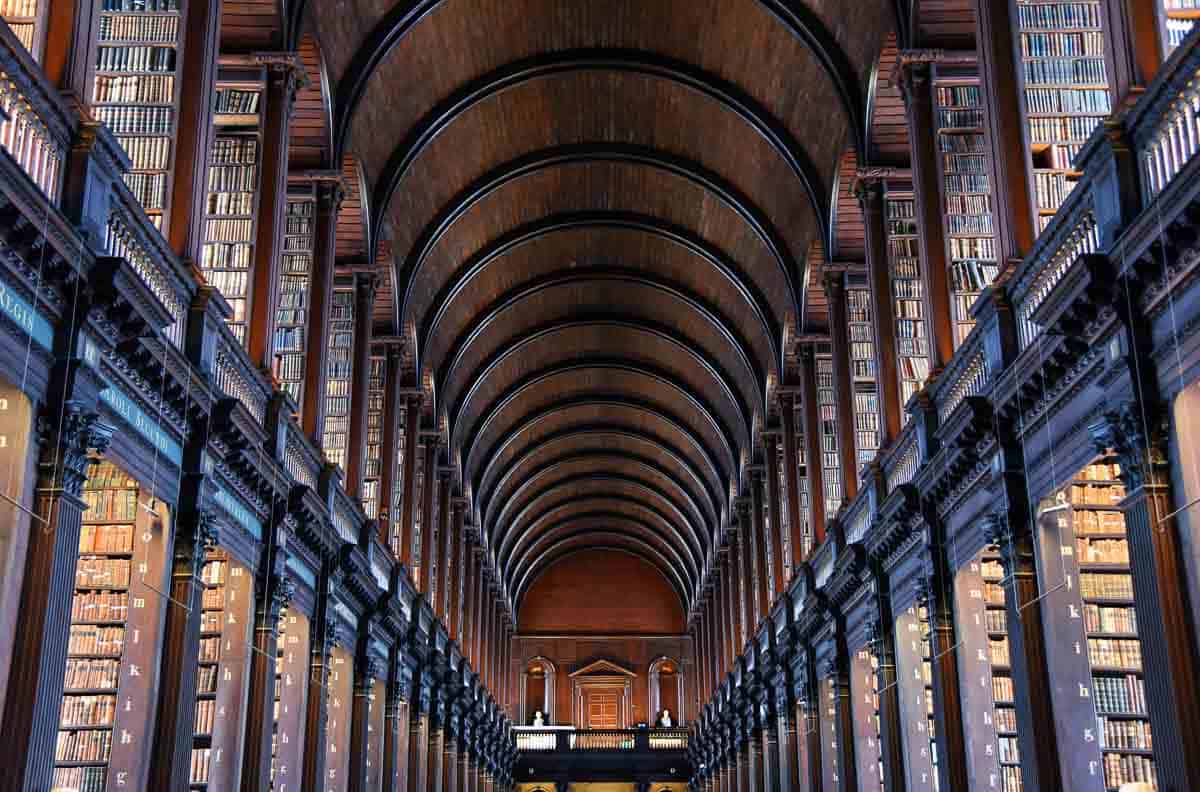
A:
(849, 234)
(946, 23)
(889, 127)
(248, 25)
(308, 136)
(603, 592)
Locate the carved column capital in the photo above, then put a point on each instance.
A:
(66, 440)
(1137, 439)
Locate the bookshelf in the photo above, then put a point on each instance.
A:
(418, 535)
(214, 577)
(291, 675)
(340, 692)
(396, 530)
(1065, 91)
(999, 670)
(24, 17)
(136, 93)
(908, 296)
(1093, 647)
(373, 464)
(831, 468)
(295, 273)
(1114, 653)
(338, 376)
(913, 681)
(785, 518)
(375, 729)
(927, 676)
(1177, 17)
(862, 369)
(864, 687)
(231, 197)
(99, 622)
(966, 198)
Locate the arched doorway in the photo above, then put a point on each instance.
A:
(537, 690)
(666, 690)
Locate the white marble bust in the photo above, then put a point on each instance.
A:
(665, 720)
(539, 719)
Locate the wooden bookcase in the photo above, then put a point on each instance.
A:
(295, 274)
(863, 374)
(108, 702)
(927, 677)
(908, 291)
(136, 93)
(966, 197)
(231, 202)
(912, 681)
(1176, 20)
(222, 672)
(372, 467)
(340, 691)
(291, 695)
(831, 468)
(25, 17)
(396, 530)
(864, 691)
(1093, 647)
(1064, 91)
(418, 534)
(376, 702)
(339, 373)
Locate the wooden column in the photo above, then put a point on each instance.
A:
(760, 575)
(316, 713)
(814, 466)
(68, 54)
(791, 469)
(1133, 49)
(839, 679)
(916, 85)
(388, 457)
(365, 671)
(869, 192)
(952, 769)
(775, 505)
(739, 580)
(284, 73)
(445, 546)
(330, 194)
(428, 529)
(395, 735)
(36, 682)
(418, 735)
(843, 389)
(183, 220)
(1010, 530)
(1157, 566)
(1009, 166)
(412, 424)
(454, 605)
(437, 737)
(468, 616)
(450, 765)
(356, 451)
(272, 592)
(770, 777)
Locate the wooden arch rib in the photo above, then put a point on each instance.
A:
(636, 513)
(609, 486)
(581, 466)
(793, 15)
(751, 215)
(606, 540)
(729, 96)
(619, 414)
(592, 292)
(496, 488)
(710, 387)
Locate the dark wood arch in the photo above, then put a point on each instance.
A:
(652, 64)
(797, 19)
(583, 440)
(736, 425)
(664, 297)
(755, 220)
(495, 254)
(621, 417)
(620, 485)
(578, 465)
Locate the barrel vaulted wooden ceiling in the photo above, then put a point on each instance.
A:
(604, 220)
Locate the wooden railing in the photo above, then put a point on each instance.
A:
(35, 127)
(601, 740)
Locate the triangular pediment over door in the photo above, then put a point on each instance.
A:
(602, 668)
(601, 696)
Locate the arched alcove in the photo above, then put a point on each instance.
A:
(666, 690)
(537, 690)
